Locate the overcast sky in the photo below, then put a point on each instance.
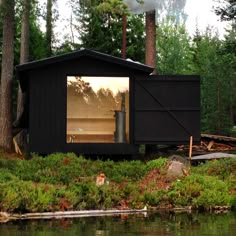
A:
(200, 13)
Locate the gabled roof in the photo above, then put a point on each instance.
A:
(88, 53)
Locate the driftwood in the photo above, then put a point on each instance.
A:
(69, 214)
(16, 146)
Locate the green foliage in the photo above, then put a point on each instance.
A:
(217, 76)
(36, 45)
(113, 7)
(155, 198)
(66, 182)
(101, 28)
(23, 196)
(89, 196)
(211, 58)
(157, 163)
(174, 52)
(227, 10)
(223, 168)
(6, 176)
(200, 191)
(131, 170)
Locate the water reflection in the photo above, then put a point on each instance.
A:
(153, 224)
(97, 109)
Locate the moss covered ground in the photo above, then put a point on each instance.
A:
(68, 182)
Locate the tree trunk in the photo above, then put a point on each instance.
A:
(24, 48)
(231, 105)
(7, 75)
(218, 108)
(151, 39)
(124, 36)
(24, 57)
(49, 28)
(0, 85)
(150, 58)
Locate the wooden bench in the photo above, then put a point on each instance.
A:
(90, 137)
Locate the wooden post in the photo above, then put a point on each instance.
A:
(190, 147)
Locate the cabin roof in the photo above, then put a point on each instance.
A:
(81, 53)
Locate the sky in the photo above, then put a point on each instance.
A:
(200, 13)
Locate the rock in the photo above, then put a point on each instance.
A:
(176, 170)
(181, 159)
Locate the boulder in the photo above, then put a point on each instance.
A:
(176, 170)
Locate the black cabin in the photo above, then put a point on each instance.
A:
(92, 103)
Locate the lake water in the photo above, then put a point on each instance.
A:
(171, 224)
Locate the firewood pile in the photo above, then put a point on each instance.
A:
(212, 143)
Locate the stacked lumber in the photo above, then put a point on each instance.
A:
(212, 143)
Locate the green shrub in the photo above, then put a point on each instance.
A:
(53, 169)
(222, 168)
(124, 170)
(65, 182)
(200, 191)
(159, 163)
(24, 196)
(6, 176)
(8, 163)
(110, 196)
(209, 199)
(155, 198)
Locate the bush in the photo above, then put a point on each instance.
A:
(155, 198)
(6, 176)
(222, 168)
(200, 191)
(126, 170)
(24, 196)
(159, 163)
(67, 182)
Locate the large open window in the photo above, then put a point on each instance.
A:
(97, 109)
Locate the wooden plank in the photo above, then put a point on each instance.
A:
(217, 155)
(90, 132)
(91, 118)
(219, 137)
(210, 145)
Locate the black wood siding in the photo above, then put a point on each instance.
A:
(167, 109)
(48, 107)
(150, 121)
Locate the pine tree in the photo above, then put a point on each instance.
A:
(100, 28)
(24, 57)
(7, 74)
(227, 11)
